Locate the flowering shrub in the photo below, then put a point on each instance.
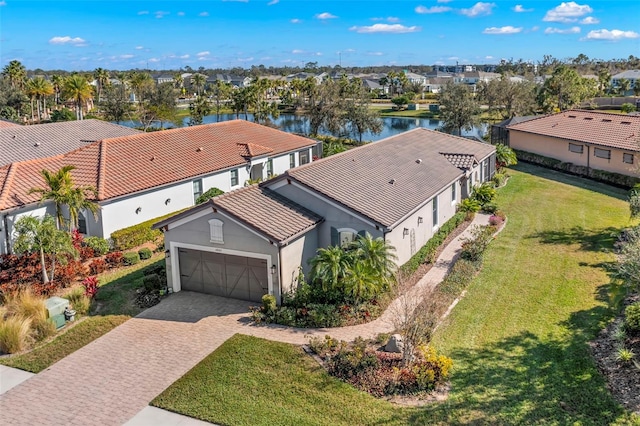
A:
(76, 239)
(97, 266)
(495, 220)
(114, 259)
(90, 285)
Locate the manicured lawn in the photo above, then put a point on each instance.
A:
(251, 381)
(65, 343)
(519, 338)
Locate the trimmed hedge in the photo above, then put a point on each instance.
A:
(595, 174)
(145, 253)
(131, 258)
(136, 235)
(427, 253)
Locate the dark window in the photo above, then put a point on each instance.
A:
(82, 224)
(627, 158)
(292, 160)
(576, 148)
(270, 168)
(197, 189)
(602, 153)
(304, 157)
(435, 211)
(485, 171)
(234, 177)
(453, 192)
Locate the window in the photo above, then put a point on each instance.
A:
(234, 177)
(269, 168)
(346, 235)
(579, 149)
(485, 170)
(435, 211)
(82, 223)
(215, 228)
(627, 158)
(197, 189)
(453, 193)
(602, 153)
(292, 160)
(304, 157)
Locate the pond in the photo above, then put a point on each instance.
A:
(295, 123)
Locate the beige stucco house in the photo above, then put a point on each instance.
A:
(257, 240)
(587, 139)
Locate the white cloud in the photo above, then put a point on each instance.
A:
(393, 19)
(453, 58)
(76, 41)
(143, 12)
(3, 3)
(375, 53)
(572, 30)
(203, 54)
(444, 1)
(520, 9)
(249, 59)
(297, 51)
(488, 57)
(184, 57)
(432, 9)
(567, 12)
(295, 21)
(126, 56)
(160, 14)
(502, 30)
(590, 20)
(139, 47)
(325, 15)
(478, 9)
(180, 13)
(611, 35)
(203, 14)
(272, 2)
(154, 60)
(535, 28)
(318, 54)
(385, 28)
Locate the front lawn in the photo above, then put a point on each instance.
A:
(67, 342)
(518, 339)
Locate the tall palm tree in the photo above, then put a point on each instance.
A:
(102, 79)
(31, 92)
(16, 73)
(178, 81)
(77, 88)
(141, 83)
(38, 88)
(57, 81)
(61, 190)
(199, 81)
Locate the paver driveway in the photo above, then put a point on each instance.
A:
(111, 379)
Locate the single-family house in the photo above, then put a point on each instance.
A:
(474, 77)
(147, 175)
(22, 143)
(632, 76)
(162, 78)
(257, 240)
(415, 78)
(500, 131)
(590, 139)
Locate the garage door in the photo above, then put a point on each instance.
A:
(223, 275)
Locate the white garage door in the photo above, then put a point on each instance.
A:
(224, 275)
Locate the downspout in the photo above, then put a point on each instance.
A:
(279, 277)
(588, 160)
(5, 225)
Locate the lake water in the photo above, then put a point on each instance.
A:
(294, 123)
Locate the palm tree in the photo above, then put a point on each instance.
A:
(199, 80)
(102, 79)
(505, 156)
(30, 91)
(38, 88)
(16, 73)
(61, 190)
(57, 82)
(361, 282)
(329, 266)
(178, 81)
(77, 89)
(377, 254)
(141, 83)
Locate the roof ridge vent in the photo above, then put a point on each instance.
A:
(392, 181)
(419, 161)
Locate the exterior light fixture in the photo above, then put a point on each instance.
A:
(420, 220)
(138, 210)
(167, 201)
(273, 269)
(405, 232)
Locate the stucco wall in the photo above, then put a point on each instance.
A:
(33, 210)
(296, 255)
(559, 149)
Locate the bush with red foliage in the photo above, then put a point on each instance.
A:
(86, 253)
(114, 259)
(90, 285)
(97, 266)
(76, 239)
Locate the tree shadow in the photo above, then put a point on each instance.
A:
(589, 239)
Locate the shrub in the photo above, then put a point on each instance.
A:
(131, 258)
(90, 285)
(25, 304)
(145, 253)
(473, 247)
(495, 220)
(490, 207)
(499, 179)
(99, 245)
(136, 235)
(459, 277)
(114, 259)
(210, 193)
(97, 266)
(268, 304)
(469, 205)
(484, 193)
(624, 355)
(152, 283)
(15, 334)
(500, 214)
(79, 301)
(632, 317)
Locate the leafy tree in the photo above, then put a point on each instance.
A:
(115, 103)
(141, 84)
(628, 269)
(42, 235)
(12, 97)
(377, 254)
(634, 201)
(220, 91)
(458, 108)
(505, 156)
(77, 89)
(63, 114)
(198, 109)
(509, 97)
(400, 102)
(564, 90)
(207, 195)
(159, 106)
(627, 108)
(61, 190)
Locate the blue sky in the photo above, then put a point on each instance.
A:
(84, 35)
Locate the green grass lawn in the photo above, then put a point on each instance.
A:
(67, 342)
(518, 339)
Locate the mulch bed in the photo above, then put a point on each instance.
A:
(623, 380)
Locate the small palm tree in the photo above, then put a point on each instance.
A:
(361, 281)
(77, 88)
(376, 253)
(329, 266)
(505, 156)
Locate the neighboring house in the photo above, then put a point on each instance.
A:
(436, 73)
(416, 78)
(234, 80)
(500, 131)
(257, 240)
(633, 76)
(7, 123)
(21, 143)
(147, 175)
(475, 77)
(434, 85)
(162, 78)
(595, 140)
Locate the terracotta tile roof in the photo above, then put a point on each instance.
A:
(267, 211)
(6, 124)
(129, 164)
(250, 150)
(461, 161)
(389, 179)
(21, 143)
(597, 128)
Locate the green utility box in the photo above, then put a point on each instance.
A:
(434, 107)
(55, 309)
